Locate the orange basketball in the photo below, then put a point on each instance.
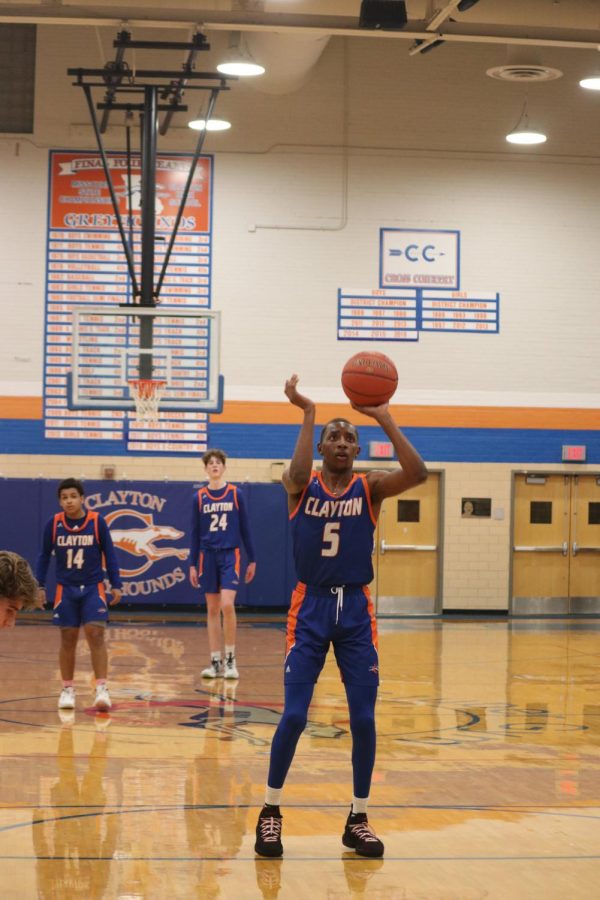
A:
(369, 378)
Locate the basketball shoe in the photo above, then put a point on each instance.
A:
(230, 667)
(215, 670)
(268, 832)
(360, 837)
(67, 698)
(102, 700)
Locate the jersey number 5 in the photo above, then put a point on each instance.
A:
(331, 537)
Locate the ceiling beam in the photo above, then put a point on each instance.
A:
(454, 32)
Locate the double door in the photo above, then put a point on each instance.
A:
(556, 544)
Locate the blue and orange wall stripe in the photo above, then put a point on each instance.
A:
(268, 430)
(246, 412)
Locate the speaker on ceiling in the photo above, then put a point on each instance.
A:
(389, 15)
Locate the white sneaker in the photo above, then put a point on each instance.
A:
(230, 668)
(67, 698)
(102, 700)
(215, 670)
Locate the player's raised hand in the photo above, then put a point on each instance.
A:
(375, 412)
(294, 396)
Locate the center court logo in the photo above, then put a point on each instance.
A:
(227, 718)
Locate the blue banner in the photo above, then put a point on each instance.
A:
(150, 526)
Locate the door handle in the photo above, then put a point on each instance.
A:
(564, 549)
(383, 547)
(578, 549)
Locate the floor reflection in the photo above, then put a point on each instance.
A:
(72, 830)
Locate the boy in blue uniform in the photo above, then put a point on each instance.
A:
(83, 548)
(219, 526)
(333, 515)
(18, 587)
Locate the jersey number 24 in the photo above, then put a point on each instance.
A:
(218, 521)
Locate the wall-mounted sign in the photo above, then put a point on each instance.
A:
(419, 258)
(419, 290)
(574, 452)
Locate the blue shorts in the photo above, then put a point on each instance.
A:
(219, 570)
(79, 604)
(343, 617)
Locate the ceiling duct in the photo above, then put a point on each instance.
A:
(287, 58)
(524, 64)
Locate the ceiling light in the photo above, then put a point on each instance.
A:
(523, 132)
(211, 125)
(238, 60)
(526, 137)
(592, 83)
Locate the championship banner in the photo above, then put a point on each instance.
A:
(86, 264)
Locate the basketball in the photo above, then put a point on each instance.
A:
(369, 379)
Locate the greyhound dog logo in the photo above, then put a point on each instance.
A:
(136, 194)
(141, 541)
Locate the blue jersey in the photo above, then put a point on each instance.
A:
(83, 548)
(333, 534)
(219, 521)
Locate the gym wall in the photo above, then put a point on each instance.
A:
(303, 184)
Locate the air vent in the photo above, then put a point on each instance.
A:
(524, 73)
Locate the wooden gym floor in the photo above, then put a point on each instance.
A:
(487, 781)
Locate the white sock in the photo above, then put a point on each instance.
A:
(229, 650)
(215, 657)
(359, 804)
(273, 796)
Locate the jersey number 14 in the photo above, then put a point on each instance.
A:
(75, 558)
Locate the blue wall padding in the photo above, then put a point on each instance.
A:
(27, 504)
(486, 445)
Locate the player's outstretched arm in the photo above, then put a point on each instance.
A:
(297, 475)
(413, 470)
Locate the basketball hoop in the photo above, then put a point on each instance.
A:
(147, 393)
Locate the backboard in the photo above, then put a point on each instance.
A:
(115, 345)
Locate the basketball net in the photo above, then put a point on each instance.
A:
(147, 393)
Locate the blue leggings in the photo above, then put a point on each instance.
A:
(361, 705)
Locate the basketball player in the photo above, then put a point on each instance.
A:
(18, 587)
(83, 547)
(333, 515)
(219, 525)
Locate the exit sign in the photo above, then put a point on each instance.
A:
(573, 452)
(381, 450)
